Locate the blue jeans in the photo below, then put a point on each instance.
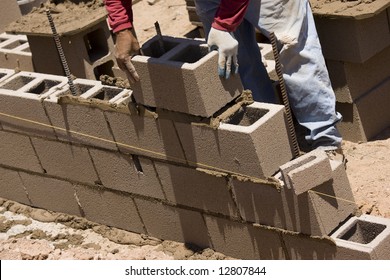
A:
(307, 80)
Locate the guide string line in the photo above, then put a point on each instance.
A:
(153, 152)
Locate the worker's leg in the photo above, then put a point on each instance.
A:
(311, 96)
(251, 69)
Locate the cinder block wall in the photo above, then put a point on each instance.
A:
(15, 52)
(57, 168)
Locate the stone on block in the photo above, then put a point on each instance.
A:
(182, 77)
(9, 12)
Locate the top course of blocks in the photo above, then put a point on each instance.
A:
(181, 75)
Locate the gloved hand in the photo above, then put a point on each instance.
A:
(227, 47)
(127, 46)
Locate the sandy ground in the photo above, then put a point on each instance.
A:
(27, 233)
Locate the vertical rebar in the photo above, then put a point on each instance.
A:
(286, 103)
(64, 63)
(160, 37)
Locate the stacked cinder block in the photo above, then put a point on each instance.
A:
(88, 50)
(171, 174)
(87, 45)
(15, 52)
(9, 12)
(356, 47)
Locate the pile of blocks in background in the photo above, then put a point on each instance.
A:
(179, 157)
(154, 161)
(357, 53)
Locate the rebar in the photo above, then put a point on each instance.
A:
(283, 89)
(64, 63)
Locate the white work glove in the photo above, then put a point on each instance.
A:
(227, 47)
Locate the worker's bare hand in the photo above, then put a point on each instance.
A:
(126, 47)
(227, 47)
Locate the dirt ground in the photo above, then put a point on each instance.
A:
(27, 233)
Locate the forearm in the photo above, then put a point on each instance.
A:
(120, 14)
(230, 14)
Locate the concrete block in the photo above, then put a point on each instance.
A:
(11, 186)
(5, 74)
(244, 241)
(179, 78)
(360, 238)
(66, 161)
(352, 80)
(88, 50)
(172, 223)
(51, 194)
(368, 116)
(145, 135)
(303, 247)
(120, 172)
(196, 189)
(365, 236)
(357, 40)
(83, 122)
(20, 97)
(306, 172)
(253, 142)
(109, 208)
(17, 151)
(15, 52)
(313, 212)
(9, 13)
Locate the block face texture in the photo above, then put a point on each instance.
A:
(66, 161)
(306, 172)
(109, 208)
(352, 80)
(81, 61)
(51, 194)
(16, 151)
(361, 38)
(260, 203)
(145, 136)
(368, 116)
(80, 119)
(11, 186)
(256, 150)
(28, 109)
(244, 241)
(189, 187)
(12, 14)
(367, 235)
(187, 85)
(167, 222)
(117, 171)
(303, 247)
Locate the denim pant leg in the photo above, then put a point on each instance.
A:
(251, 69)
(307, 80)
